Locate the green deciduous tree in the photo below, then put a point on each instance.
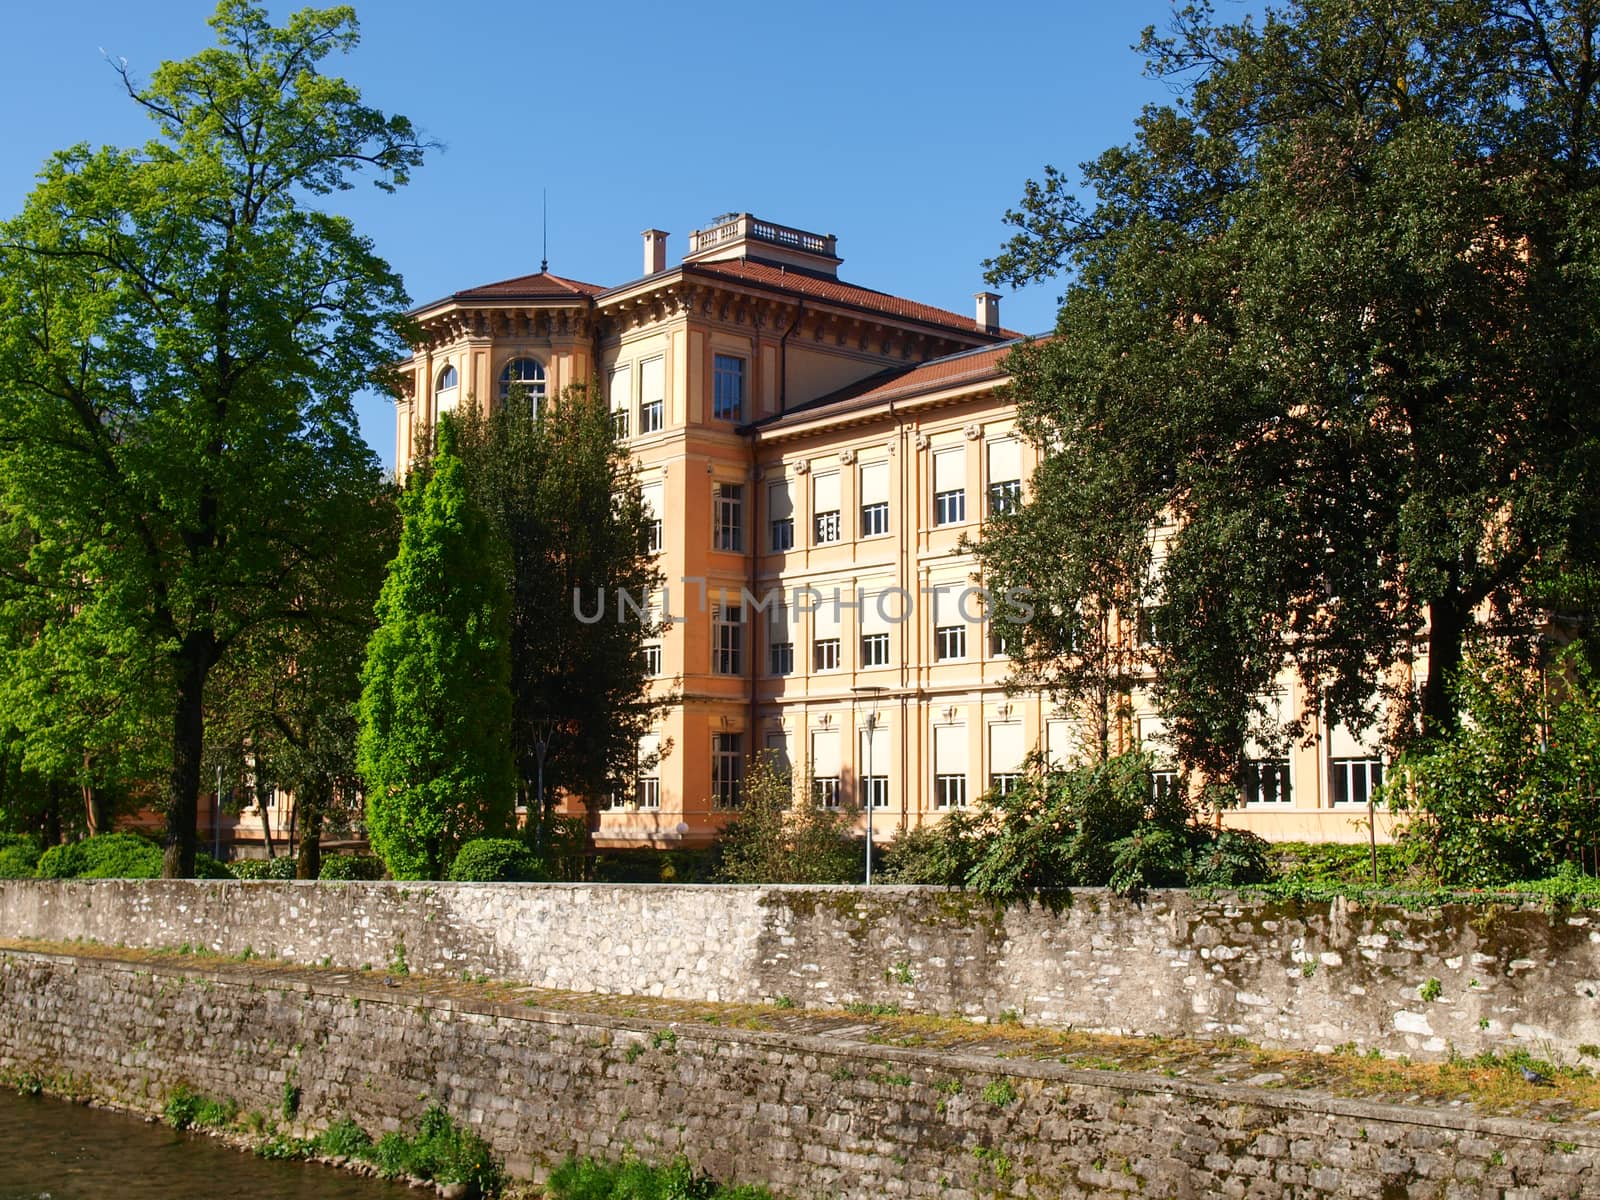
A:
(1510, 794)
(781, 834)
(563, 495)
(181, 337)
(281, 710)
(435, 739)
(1335, 314)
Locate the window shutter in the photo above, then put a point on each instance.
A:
(825, 618)
(778, 623)
(872, 613)
(652, 380)
(1005, 749)
(621, 388)
(949, 749)
(780, 502)
(874, 483)
(825, 492)
(825, 754)
(651, 494)
(950, 470)
(1060, 744)
(1005, 461)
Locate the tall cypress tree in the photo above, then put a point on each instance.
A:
(435, 741)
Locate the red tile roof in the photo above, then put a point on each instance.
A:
(753, 271)
(539, 286)
(970, 366)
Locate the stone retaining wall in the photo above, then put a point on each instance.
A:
(1307, 975)
(806, 1115)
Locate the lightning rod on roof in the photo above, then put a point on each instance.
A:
(544, 253)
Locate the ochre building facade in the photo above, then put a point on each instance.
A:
(817, 455)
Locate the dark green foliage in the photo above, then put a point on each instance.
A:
(351, 867)
(1324, 866)
(436, 701)
(925, 854)
(1331, 338)
(187, 1109)
(1094, 825)
(344, 1139)
(588, 1179)
(562, 494)
(655, 866)
(19, 856)
(441, 1151)
(108, 856)
(182, 335)
(496, 860)
(281, 867)
(779, 836)
(1510, 794)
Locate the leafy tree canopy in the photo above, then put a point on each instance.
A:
(435, 747)
(564, 499)
(181, 338)
(1332, 318)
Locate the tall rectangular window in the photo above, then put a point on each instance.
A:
(727, 388)
(652, 658)
(1005, 476)
(873, 780)
(780, 642)
(652, 495)
(727, 629)
(950, 486)
(780, 517)
(652, 394)
(873, 481)
(727, 769)
(825, 767)
(619, 391)
(727, 516)
(1005, 756)
(950, 766)
(825, 508)
(647, 786)
(950, 629)
(825, 654)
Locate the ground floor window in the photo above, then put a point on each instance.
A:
(1356, 780)
(727, 768)
(950, 791)
(1266, 781)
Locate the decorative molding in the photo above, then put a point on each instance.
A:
(801, 467)
(973, 432)
(922, 441)
(846, 457)
(889, 448)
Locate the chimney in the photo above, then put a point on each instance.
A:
(655, 251)
(988, 318)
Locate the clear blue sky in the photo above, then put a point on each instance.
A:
(906, 129)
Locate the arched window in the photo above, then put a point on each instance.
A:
(445, 391)
(527, 373)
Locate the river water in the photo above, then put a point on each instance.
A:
(52, 1150)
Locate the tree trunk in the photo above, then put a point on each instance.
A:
(51, 825)
(188, 742)
(264, 794)
(1446, 627)
(311, 805)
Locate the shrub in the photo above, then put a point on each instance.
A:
(1233, 858)
(351, 867)
(19, 856)
(1508, 795)
(104, 856)
(441, 1151)
(344, 1139)
(780, 836)
(926, 854)
(281, 867)
(496, 860)
(586, 1179)
(206, 867)
(185, 1109)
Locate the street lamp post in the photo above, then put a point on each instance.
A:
(872, 727)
